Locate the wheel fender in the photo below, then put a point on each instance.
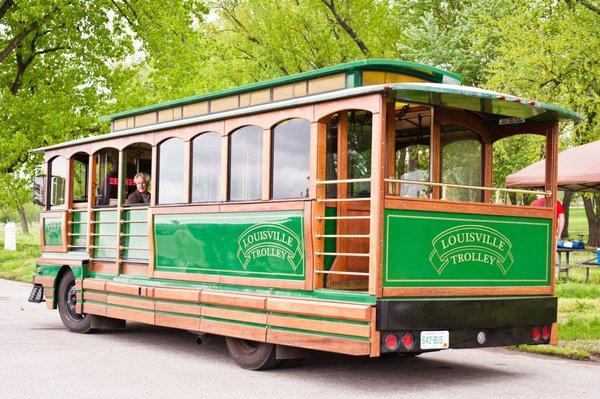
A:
(59, 276)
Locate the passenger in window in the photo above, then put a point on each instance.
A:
(141, 194)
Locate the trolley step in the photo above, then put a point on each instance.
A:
(37, 294)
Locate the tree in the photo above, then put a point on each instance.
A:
(57, 67)
(551, 51)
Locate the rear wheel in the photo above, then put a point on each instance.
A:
(67, 302)
(252, 355)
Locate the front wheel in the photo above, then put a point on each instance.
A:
(252, 355)
(67, 301)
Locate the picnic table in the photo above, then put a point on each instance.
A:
(589, 262)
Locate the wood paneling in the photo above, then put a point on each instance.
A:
(93, 284)
(120, 288)
(178, 308)
(183, 322)
(466, 207)
(177, 294)
(231, 314)
(461, 291)
(134, 269)
(94, 308)
(130, 302)
(320, 309)
(359, 330)
(94, 296)
(233, 300)
(129, 314)
(318, 342)
(233, 330)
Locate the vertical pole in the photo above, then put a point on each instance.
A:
(120, 192)
(224, 167)
(319, 130)
(266, 165)
(154, 177)
(488, 165)
(91, 201)
(187, 171)
(342, 192)
(435, 152)
(551, 186)
(379, 134)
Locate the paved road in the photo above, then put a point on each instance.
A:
(39, 359)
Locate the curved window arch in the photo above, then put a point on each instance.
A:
(462, 162)
(206, 167)
(291, 154)
(58, 170)
(245, 164)
(170, 171)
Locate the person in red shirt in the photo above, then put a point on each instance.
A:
(560, 214)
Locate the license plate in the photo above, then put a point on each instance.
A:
(435, 339)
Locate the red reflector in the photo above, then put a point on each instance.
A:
(390, 341)
(545, 333)
(535, 333)
(408, 341)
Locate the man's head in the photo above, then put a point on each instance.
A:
(141, 181)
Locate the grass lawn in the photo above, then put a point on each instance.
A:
(578, 302)
(20, 264)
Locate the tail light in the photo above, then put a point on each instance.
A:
(545, 333)
(408, 340)
(390, 341)
(535, 333)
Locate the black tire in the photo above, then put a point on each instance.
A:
(252, 355)
(67, 300)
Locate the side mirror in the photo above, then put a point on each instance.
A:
(38, 190)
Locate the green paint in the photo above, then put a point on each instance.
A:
(79, 230)
(352, 337)
(53, 231)
(438, 249)
(249, 244)
(330, 229)
(134, 227)
(105, 230)
(480, 100)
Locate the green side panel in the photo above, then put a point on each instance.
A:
(134, 239)
(330, 228)
(105, 234)
(249, 244)
(47, 270)
(79, 230)
(53, 231)
(439, 249)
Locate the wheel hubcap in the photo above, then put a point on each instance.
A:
(71, 302)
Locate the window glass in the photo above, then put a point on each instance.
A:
(461, 162)
(291, 148)
(245, 164)
(411, 155)
(359, 152)
(138, 159)
(107, 177)
(206, 167)
(58, 178)
(170, 174)
(80, 174)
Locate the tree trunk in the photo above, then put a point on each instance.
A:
(23, 217)
(591, 204)
(567, 203)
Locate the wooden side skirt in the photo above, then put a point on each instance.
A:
(320, 325)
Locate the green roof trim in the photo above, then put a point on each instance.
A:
(353, 79)
(480, 100)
